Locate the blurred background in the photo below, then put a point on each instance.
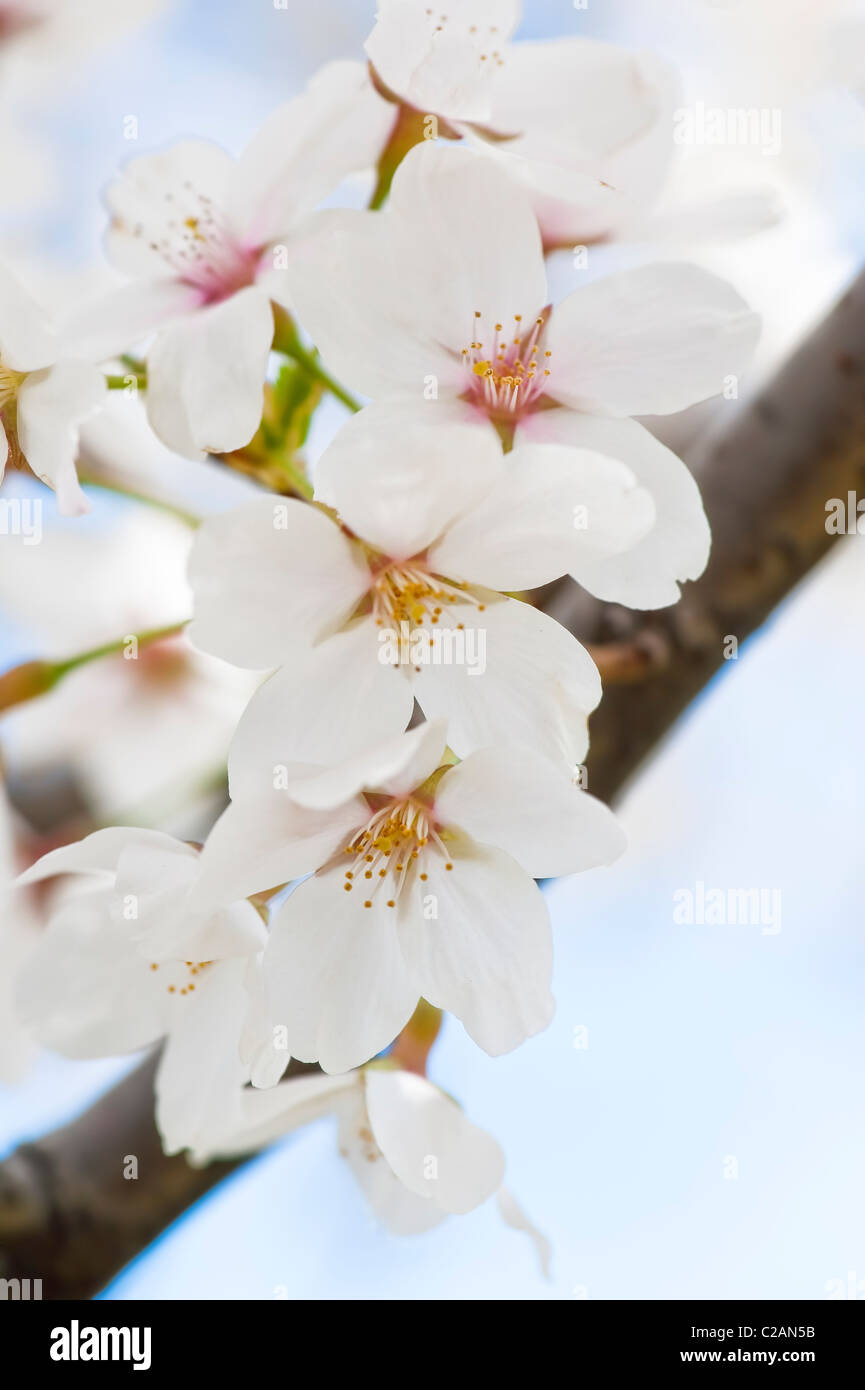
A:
(691, 1123)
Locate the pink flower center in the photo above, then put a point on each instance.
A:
(197, 244)
(508, 369)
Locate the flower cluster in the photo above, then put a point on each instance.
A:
(412, 759)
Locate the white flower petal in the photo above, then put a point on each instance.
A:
(649, 341)
(327, 705)
(201, 1059)
(438, 62)
(676, 548)
(473, 242)
(400, 471)
(51, 406)
(356, 284)
(206, 373)
(390, 298)
(305, 149)
(429, 1143)
(526, 680)
(124, 317)
(513, 1215)
(584, 110)
(336, 974)
(256, 845)
(85, 991)
(399, 1210)
(100, 852)
(27, 341)
(552, 508)
(253, 1118)
(396, 767)
(487, 955)
(151, 198)
(269, 577)
(530, 807)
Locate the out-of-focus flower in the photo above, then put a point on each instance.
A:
(404, 597)
(140, 730)
(44, 396)
(443, 63)
(568, 113)
(19, 936)
(129, 957)
(412, 304)
(423, 885)
(207, 238)
(38, 35)
(416, 1156)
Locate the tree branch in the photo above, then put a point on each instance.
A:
(67, 1214)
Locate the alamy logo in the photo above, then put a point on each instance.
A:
(445, 646)
(21, 516)
(728, 907)
(76, 1343)
(20, 1290)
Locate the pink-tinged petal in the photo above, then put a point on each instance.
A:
(156, 202)
(400, 472)
(649, 341)
(51, 406)
(584, 111)
(336, 974)
(532, 808)
(412, 1121)
(474, 243)
(479, 943)
(269, 577)
(442, 62)
(206, 374)
(338, 126)
(551, 507)
(676, 549)
(391, 298)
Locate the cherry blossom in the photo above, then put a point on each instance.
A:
(416, 1156)
(128, 958)
(405, 599)
(444, 63)
(413, 305)
(206, 238)
(422, 883)
(44, 396)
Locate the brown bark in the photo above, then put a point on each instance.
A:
(67, 1214)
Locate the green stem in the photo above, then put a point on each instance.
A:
(34, 678)
(296, 478)
(153, 634)
(311, 364)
